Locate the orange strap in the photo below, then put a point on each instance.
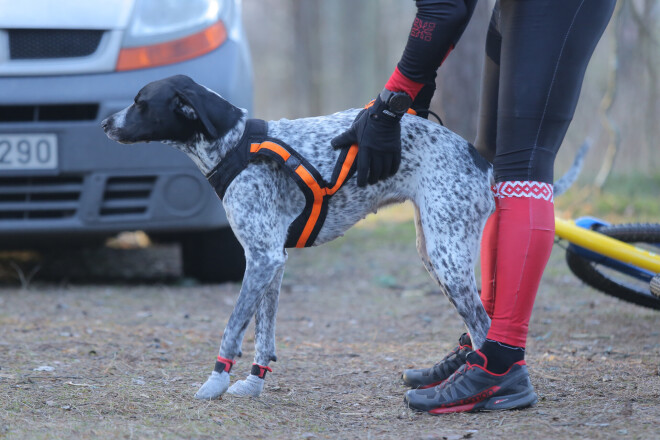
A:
(272, 146)
(318, 191)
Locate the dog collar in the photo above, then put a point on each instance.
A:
(238, 158)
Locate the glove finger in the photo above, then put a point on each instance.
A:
(344, 140)
(349, 137)
(362, 167)
(377, 168)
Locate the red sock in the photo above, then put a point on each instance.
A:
(488, 259)
(525, 235)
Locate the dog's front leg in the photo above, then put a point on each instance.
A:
(261, 272)
(264, 342)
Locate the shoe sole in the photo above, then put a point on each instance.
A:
(495, 403)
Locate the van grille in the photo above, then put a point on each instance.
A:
(127, 196)
(48, 113)
(30, 198)
(30, 44)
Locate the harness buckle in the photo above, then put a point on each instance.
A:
(292, 162)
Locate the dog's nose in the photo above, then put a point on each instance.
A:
(105, 124)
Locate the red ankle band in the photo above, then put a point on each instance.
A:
(222, 364)
(260, 370)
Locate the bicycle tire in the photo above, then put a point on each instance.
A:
(613, 283)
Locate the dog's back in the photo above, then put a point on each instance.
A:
(434, 161)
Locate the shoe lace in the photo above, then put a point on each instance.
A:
(455, 376)
(455, 353)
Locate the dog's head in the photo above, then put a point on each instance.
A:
(174, 109)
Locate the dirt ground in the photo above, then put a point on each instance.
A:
(123, 358)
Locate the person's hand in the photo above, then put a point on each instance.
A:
(377, 132)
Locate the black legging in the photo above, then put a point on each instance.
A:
(536, 54)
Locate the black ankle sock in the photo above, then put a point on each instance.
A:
(501, 356)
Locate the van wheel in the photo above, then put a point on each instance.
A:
(213, 256)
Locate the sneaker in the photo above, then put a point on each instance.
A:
(429, 377)
(473, 388)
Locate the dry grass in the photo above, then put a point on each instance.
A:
(127, 358)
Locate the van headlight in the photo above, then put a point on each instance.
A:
(169, 31)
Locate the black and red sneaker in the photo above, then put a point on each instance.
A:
(429, 377)
(473, 388)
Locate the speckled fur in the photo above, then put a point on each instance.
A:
(440, 173)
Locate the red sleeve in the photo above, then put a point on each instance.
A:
(399, 83)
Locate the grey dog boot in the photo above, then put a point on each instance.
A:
(253, 385)
(218, 381)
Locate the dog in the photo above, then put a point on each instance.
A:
(446, 179)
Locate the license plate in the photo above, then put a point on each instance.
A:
(28, 151)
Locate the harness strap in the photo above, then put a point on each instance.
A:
(255, 143)
(313, 216)
(237, 159)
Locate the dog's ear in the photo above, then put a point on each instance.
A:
(183, 108)
(216, 115)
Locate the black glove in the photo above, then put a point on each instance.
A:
(377, 131)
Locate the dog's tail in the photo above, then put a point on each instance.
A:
(560, 186)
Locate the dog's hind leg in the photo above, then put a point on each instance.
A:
(263, 269)
(264, 342)
(449, 253)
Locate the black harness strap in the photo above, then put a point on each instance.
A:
(254, 143)
(237, 159)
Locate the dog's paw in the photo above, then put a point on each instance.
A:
(250, 387)
(214, 387)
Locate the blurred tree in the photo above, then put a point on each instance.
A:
(308, 56)
(645, 16)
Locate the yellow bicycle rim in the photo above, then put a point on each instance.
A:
(602, 244)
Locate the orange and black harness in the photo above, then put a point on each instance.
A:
(256, 143)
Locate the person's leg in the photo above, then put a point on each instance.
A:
(486, 145)
(486, 139)
(546, 45)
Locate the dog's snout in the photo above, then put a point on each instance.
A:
(106, 124)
